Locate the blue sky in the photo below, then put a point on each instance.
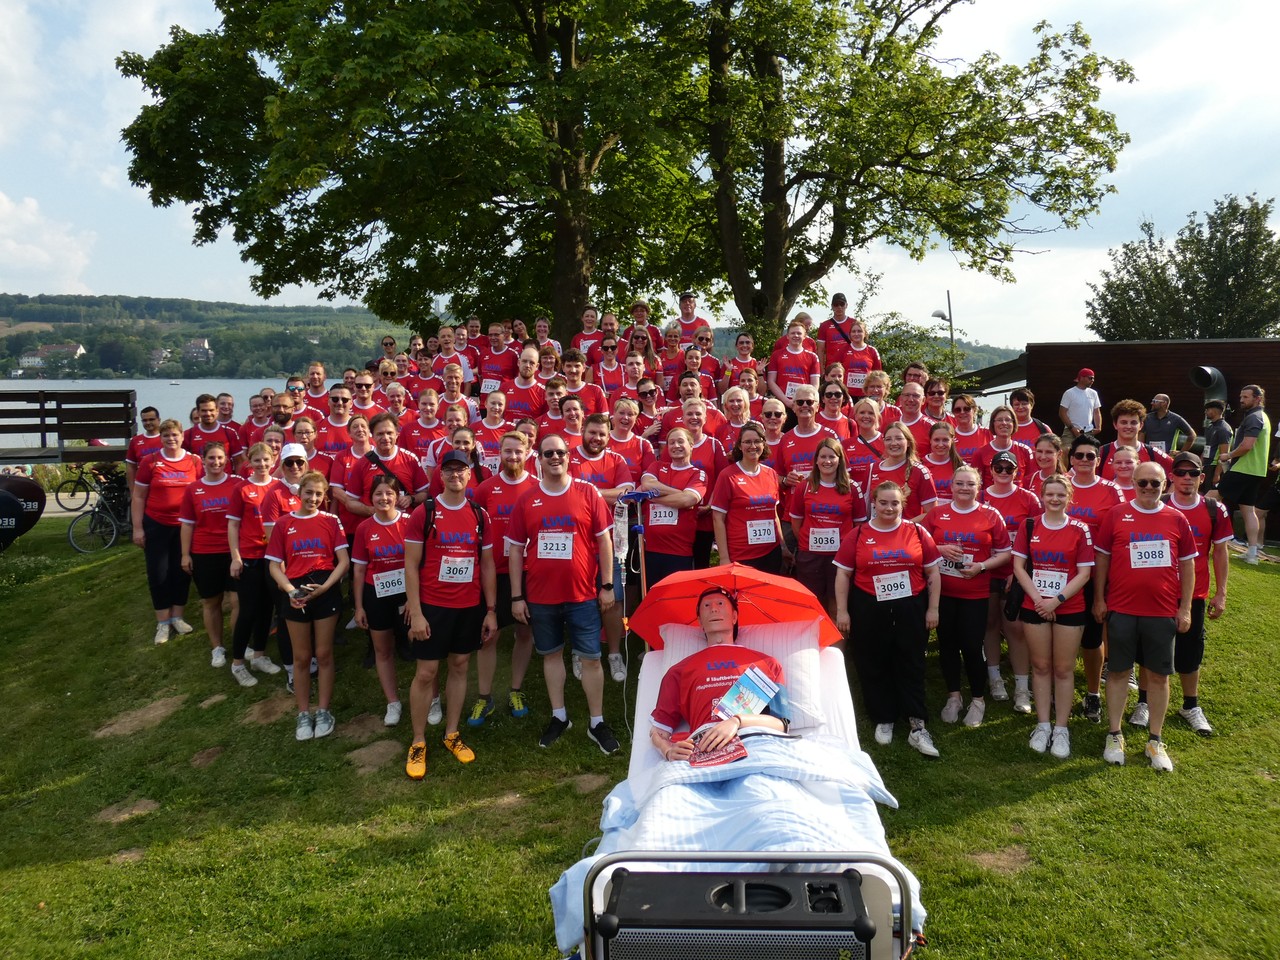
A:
(1202, 117)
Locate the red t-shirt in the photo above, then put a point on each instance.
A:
(206, 506)
(1145, 548)
(451, 563)
(1029, 433)
(860, 454)
(1015, 506)
(921, 493)
(586, 342)
(888, 564)
(667, 529)
(359, 477)
(306, 544)
(196, 437)
(251, 433)
(969, 444)
(592, 397)
(317, 408)
(637, 452)
(140, 446)
(499, 495)
(841, 426)
(749, 503)
(559, 534)
(165, 481)
(796, 450)
(857, 364)
(416, 438)
(332, 438)
(1056, 556)
(982, 460)
(919, 428)
(690, 689)
(605, 472)
(549, 426)
(379, 547)
(793, 369)
(489, 440)
(609, 380)
(1210, 525)
(276, 502)
(826, 515)
(981, 532)
(440, 361)
(530, 401)
(942, 474)
(1090, 504)
(247, 500)
(497, 368)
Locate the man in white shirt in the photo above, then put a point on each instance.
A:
(1081, 408)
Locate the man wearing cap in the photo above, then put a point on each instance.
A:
(1217, 441)
(688, 319)
(842, 339)
(1081, 408)
(1211, 526)
(448, 571)
(1164, 429)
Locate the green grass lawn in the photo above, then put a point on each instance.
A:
(264, 847)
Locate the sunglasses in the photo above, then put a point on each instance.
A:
(937, 393)
(1186, 473)
(961, 409)
(339, 399)
(1147, 484)
(605, 346)
(1004, 468)
(1084, 456)
(804, 403)
(772, 415)
(647, 393)
(388, 343)
(704, 339)
(295, 462)
(364, 386)
(554, 454)
(295, 389)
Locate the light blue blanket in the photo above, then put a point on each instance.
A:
(803, 795)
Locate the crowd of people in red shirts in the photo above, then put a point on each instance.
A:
(471, 483)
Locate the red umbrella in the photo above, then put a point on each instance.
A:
(762, 598)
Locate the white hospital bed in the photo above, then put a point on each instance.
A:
(641, 810)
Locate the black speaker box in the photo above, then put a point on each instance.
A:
(744, 916)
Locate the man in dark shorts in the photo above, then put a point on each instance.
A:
(1244, 482)
(448, 561)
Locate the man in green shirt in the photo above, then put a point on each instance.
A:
(1246, 467)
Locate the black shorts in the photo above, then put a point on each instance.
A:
(505, 619)
(1092, 639)
(1080, 619)
(453, 630)
(1269, 498)
(1242, 489)
(212, 574)
(1188, 648)
(383, 613)
(1133, 639)
(321, 608)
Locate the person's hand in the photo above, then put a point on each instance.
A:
(1100, 609)
(970, 570)
(716, 737)
(951, 551)
(843, 623)
(679, 750)
(362, 619)
(419, 629)
(1217, 606)
(520, 610)
(1184, 619)
(489, 632)
(139, 538)
(404, 502)
(606, 598)
(237, 568)
(185, 562)
(1045, 606)
(931, 618)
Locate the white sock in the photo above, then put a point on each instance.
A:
(994, 672)
(596, 720)
(288, 668)
(1043, 726)
(1063, 729)
(561, 714)
(1021, 682)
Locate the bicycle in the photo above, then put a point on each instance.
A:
(100, 527)
(73, 495)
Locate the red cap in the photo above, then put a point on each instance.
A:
(1084, 372)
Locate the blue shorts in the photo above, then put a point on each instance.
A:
(550, 622)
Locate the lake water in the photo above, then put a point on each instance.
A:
(172, 400)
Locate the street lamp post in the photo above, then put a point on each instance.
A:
(947, 316)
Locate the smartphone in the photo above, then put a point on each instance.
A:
(299, 593)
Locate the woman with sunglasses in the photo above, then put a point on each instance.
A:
(608, 374)
(304, 432)
(887, 581)
(744, 507)
(1091, 498)
(1002, 424)
(866, 445)
(649, 417)
(640, 342)
(831, 412)
(901, 466)
(970, 437)
(942, 459)
(1015, 504)
(773, 416)
(705, 340)
(822, 512)
(309, 557)
(1053, 613)
(973, 540)
(1047, 454)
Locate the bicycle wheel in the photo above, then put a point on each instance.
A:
(92, 531)
(72, 495)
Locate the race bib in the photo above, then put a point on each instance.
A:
(1158, 446)
(489, 385)
(761, 531)
(1150, 553)
(491, 464)
(1049, 583)
(662, 516)
(855, 379)
(953, 568)
(555, 546)
(457, 569)
(824, 539)
(791, 390)
(388, 584)
(892, 586)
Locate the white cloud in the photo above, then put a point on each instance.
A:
(20, 80)
(38, 255)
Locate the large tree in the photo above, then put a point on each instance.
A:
(1220, 278)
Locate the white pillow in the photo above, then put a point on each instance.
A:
(794, 645)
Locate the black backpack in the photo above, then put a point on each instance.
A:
(429, 527)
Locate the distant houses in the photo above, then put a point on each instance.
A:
(51, 354)
(197, 351)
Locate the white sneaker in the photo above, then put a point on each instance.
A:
(180, 626)
(324, 723)
(617, 667)
(162, 633)
(1250, 557)
(306, 727)
(263, 664)
(243, 676)
(1197, 721)
(922, 741)
(1022, 701)
(884, 733)
(218, 659)
(1133, 679)
(577, 667)
(1141, 716)
(1060, 746)
(997, 687)
(951, 710)
(315, 666)
(1040, 738)
(1113, 752)
(392, 716)
(1158, 756)
(977, 710)
(351, 624)
(436, 714)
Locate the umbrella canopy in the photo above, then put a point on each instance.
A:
(762, 598)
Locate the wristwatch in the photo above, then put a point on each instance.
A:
(606, 586)
(1061, 598)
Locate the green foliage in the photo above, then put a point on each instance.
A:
(1219, 279)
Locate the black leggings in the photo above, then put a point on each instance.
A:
(703, 541)
(887, 649)
(771, 562)
(259, 598)
(962, 627)
(168, 582)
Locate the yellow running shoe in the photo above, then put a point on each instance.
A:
(416, 765)
(453, 743)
